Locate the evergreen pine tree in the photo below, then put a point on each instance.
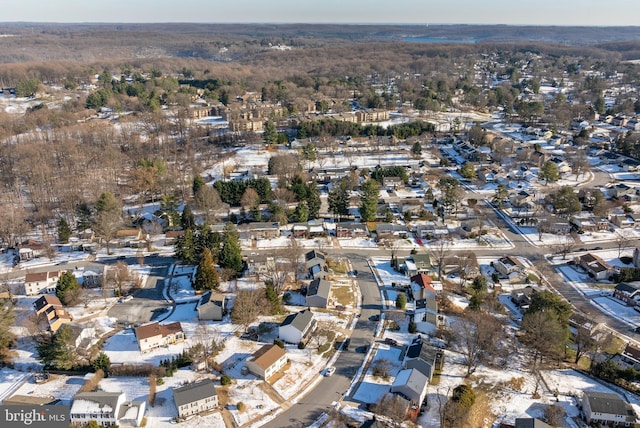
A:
(207, 277)
(231, 253)
(64, 231)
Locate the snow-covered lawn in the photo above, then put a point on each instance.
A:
(373, 387)
(357, 243)
(386, 274)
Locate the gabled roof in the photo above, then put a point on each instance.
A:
(40, 276)
(96, 402)
(628, 287)
(267, 355)
(412, 379)
(602, 402)
(46, 300)
(424, 281)
(154, 329)
(319, 287)
(300, 321)
(313, 254)
(194, 392)
(531, 423)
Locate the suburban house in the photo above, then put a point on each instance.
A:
(631, 356)
(392, 183)
(530, 423)
(260, 264)
(129, 238)
(595, 266)
(41, 283)
(605, 409)
(391, 231)
(107, 409)
(196, 397)
(267, 361)
(351, 230)
(296, 327)
(50, 308)
(89, 278)
(31, 250)
(83, 337)
(154, 335)
(211, 306)
(425, 311)
(316, 264)
(579, 321)
(628, 292)
(318, 293)
(266, 230)
(411, 384)
(521, 297)
(507, 265)
(424, 357)
(418, 264)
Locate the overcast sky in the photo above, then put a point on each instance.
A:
(515, 12)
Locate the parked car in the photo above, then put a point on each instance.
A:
(330, 370)
(390, 341)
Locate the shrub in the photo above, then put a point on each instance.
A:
(241, 406)
(278, 342)
(225, 380)
(301, 345)
(464, 396)
(160, 381)
(413, 327)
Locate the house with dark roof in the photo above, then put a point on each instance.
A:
(107, 409)
(297, 327)
(595, 266)
(521, 297)
(50, 309)
(211, 306)
(318, 293)
(531, 423)
(424, 357)
(316, 263)
(628, 292)
(604, 408)
(154, 335)
(195, 398)
(267, 361)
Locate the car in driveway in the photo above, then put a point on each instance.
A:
(329, 371)
(390, 341)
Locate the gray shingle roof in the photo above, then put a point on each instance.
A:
(319, 287)
(194, 392)
(602, 402)
(300, 320)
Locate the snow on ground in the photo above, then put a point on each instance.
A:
(357, 243)
(285, 241)
(372, 388)
(59, 386)
(386, 274)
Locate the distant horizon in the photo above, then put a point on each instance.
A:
(400, 24)
(561, 13)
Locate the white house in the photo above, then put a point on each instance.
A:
(196, 397)
(604, 408)
(107, 409)
(41, 283)
(296, 327)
